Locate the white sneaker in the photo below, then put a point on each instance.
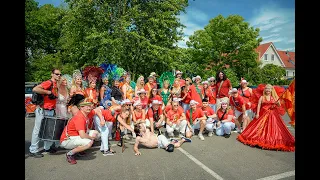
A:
(110, 138)
(210, 134)
(134, 135)
(201, 137)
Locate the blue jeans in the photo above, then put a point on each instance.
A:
(39, 114)
(185, 107)
(225, 128)
(104, 132)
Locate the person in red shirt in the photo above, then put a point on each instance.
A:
(143, 99)
(212, 85)
(49, 91)
(154, 96)
(195, 119)
(225, 120)
(176, 120)
(210, 115)
(169, 106)
(246, 92)
(76, 134)
(104, 127)
(223, 85)
(186, 96)
(155, 119)
(138, 116)
(239, 106)
(179, 76)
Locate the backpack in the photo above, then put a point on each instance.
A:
(38, 99)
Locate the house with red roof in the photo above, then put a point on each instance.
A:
(268, 54)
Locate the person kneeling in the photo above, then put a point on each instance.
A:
(75, 135)
(151, 140)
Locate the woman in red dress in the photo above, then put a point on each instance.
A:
(268, 130)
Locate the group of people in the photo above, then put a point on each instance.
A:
(185, 107)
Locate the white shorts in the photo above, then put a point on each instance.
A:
(162, 141)
(75, 141)
(238, 113)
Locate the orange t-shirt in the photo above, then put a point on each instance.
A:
(198, 113)
(76, 123)
(48, 103)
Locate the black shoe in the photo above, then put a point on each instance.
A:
(52, 150)
(36, 155)
(227, 135)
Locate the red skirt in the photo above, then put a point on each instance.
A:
(268, 132)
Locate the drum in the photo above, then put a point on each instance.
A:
(51, 128)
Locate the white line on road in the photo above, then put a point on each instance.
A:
(215, 175)
(279, 176)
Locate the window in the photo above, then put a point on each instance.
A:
(272, 57)
(287, 73)
(266, 57)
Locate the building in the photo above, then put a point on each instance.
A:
(268, 54)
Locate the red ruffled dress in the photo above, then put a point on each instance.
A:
(269, 130)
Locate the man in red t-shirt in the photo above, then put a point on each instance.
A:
(169, 106)
(154, 118)
(49, 91)
(239, 107)
(210, 115)
(176, 120)
(76, 134)
(223, 85)
(196, 120)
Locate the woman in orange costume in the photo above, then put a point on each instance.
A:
(268, 130)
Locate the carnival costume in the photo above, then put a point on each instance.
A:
(61, 105)
(269, 130)
(79, 94)
(166, 76)
(92, 75)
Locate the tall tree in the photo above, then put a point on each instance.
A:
(224, 41)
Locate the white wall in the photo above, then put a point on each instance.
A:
(270, 51)
(290, 73)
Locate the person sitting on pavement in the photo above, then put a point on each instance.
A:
(151, 140)
(138, 115)
(210, 115)
(76, 135)
(195, 119)
(155, 119)
(225, 120)
(176, 120)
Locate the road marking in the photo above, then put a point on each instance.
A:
(215, 175)
(279, 176)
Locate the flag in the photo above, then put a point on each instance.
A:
(289, 101)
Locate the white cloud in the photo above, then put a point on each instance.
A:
(276, 24)
(191, 20)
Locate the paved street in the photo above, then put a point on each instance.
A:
(214, 158)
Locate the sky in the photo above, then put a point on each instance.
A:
(274, 18)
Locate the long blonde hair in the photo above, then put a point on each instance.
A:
(138, 84)
(273, 92)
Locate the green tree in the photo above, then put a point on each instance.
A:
(273, 74)
(137, 35)
(224, 41)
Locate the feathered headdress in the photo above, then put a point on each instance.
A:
(92, 73)
(76, 74)
(166, 76)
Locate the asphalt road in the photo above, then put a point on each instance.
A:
(214, 158)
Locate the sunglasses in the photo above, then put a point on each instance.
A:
(57, 74)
